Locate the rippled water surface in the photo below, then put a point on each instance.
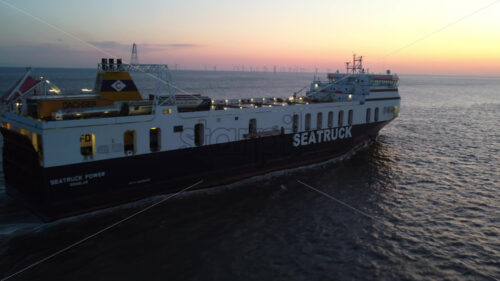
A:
(426, 194)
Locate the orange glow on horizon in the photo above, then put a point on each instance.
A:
(427, 36)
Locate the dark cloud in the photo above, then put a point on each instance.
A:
(61, 54)
(117, 46)
(185, 45)
(47, 54)
(40, 50)
(111, 45)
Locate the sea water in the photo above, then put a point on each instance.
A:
(421, 203)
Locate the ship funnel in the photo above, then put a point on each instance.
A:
(104, 63)
(111, 63)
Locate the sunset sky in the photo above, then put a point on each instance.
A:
(288, 33)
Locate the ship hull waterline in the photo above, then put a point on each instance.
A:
(57, 192)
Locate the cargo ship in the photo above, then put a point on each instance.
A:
(70, 153)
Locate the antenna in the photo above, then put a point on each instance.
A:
(133, 58)
(357, 65)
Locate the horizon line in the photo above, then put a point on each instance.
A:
(259, 71)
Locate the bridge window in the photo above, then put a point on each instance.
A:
(349, 117)
(341, 118)
(308, 122)
(199, 134)
(155, 139)
(252, 127)
(376, 114)
(129, 142)
(87, 144)
(368, 114)
(295, 125)
(319, 121)
(330, 119)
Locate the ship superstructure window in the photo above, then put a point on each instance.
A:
(25, 132)
(319, 121)
(199, 134)
(87, 144)
(295, 121)
(155, 139)
(6, 125)
(36, 140)
(252, 126)
(341, 118)
(308, 122)
(349, 117)
(129, 140)
(376, 115)
(368, 115)
(330, 119)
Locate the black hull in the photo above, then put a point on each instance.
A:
(63, 191)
